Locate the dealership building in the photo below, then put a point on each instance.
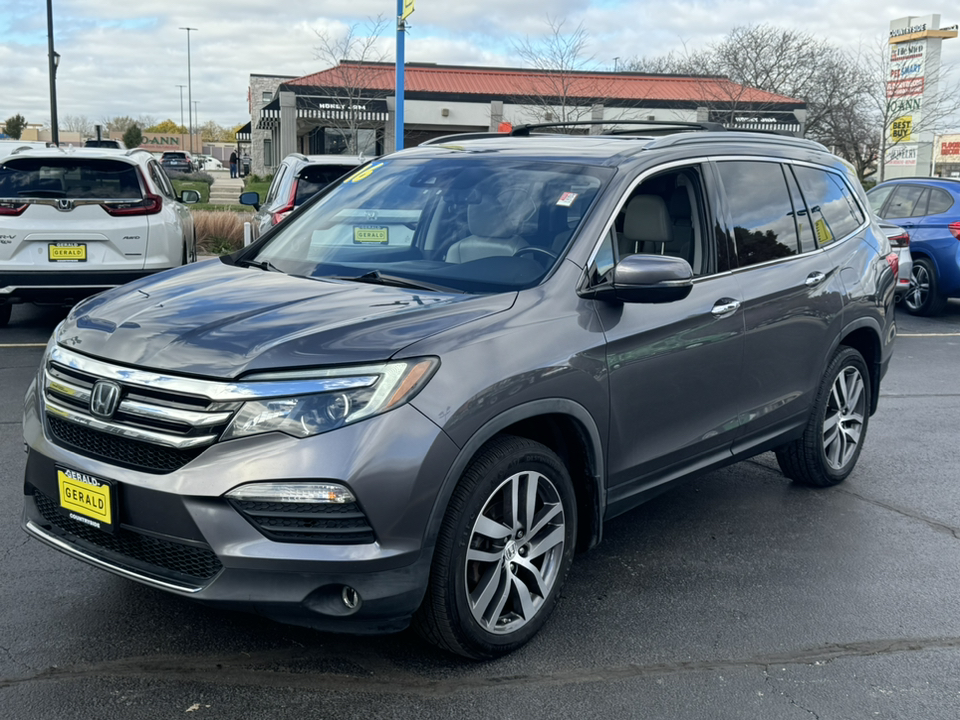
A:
(349, 108)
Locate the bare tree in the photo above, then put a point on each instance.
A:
(76, 123)
(122, 123)
(560, 91)
(789, 63)
(353, 60)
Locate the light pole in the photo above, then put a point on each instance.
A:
(54, 62)
(181, 103)
(196, 117)
(189, 86)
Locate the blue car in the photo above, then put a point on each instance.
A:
(929, 210)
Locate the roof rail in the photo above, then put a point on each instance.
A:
(463, 136)
(131, 151)
(524, 130)
(760, 138)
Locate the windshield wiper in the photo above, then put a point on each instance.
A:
(265, 265)
(375, 277)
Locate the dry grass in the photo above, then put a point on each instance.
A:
(219, 231)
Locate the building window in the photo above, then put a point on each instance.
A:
(268, 152)
(267, 96)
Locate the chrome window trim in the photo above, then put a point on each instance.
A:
(338, 379)
(700, 160)
(125, 431)
(69, 549)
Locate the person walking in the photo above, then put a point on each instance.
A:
(233, 164)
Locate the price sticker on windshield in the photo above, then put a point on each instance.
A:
(370, 235)
(567, 199)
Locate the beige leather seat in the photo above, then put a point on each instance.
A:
(494, 225)
(646, 226)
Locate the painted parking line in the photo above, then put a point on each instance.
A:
(23, 345)
(954, 334)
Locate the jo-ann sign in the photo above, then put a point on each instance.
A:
(159, 142)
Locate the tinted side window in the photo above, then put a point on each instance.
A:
(760, 211)
(275, 185)
(877, 196)
(833, 210)
(905, 201)
(940, 201)
(160, 179)
(315, 178)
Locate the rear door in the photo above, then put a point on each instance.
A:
(78, 213)
(789, 259)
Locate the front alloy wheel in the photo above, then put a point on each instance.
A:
(503, 551)
(843, 421)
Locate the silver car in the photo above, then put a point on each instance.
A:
(900, 242)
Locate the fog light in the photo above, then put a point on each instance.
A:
(350, 597)
(292, 493)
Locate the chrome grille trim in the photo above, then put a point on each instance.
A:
(132, 433)
(158, 412)
(340, 379)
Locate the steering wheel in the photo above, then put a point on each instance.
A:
(533, 249)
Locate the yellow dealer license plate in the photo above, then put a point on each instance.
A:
(376, 235)
(67, 252)
(86, 499)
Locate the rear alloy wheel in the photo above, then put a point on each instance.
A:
(503, 551)
(923, 296)
(5, 310)
(828, 450)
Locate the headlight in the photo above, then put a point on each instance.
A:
(362, 392)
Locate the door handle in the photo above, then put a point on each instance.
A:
(725, 306)
(814, 278)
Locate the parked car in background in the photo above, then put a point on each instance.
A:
(208, 162)
(74, 222)
(929, 210)
(8, 146)
(105, 143)
(178, 161)
(416, 398)
(298, 179)
(900, 242)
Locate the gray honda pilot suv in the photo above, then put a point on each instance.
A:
(418, 396)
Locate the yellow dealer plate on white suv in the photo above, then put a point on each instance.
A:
(67, 252)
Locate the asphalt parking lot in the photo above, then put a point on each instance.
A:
(735, 596)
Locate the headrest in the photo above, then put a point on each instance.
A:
(500, 216)
(646, 219)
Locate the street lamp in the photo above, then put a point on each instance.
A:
(196, 117)
(54, 62)
(181, 103)
(189, 85)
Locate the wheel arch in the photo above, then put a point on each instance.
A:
(564, 426)
(863, 335)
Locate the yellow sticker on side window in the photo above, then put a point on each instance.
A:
(823, 232)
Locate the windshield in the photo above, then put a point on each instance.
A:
(465, 223)
(68, 178)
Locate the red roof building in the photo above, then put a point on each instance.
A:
(348, 108)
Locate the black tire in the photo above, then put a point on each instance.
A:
(522, 581)
(822, 457)
(923, 297)
(5, 310)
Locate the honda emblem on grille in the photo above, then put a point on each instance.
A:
(64, 205)
(105, 398)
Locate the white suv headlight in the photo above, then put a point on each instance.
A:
(381, 388)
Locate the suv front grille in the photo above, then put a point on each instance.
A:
(165, 559)
(118, 450)
(152, 428)
(331, 524)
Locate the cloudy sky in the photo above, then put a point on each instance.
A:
(128, 58)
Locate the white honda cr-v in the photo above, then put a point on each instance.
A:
(74, 222)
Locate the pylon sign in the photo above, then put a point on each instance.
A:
(913, 71)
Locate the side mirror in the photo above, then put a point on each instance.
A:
(189, 197)
(646, 279)
(250, 198)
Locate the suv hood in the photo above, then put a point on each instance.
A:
(215, 320)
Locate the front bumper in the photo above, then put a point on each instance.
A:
(63, 287)
(177, 532)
